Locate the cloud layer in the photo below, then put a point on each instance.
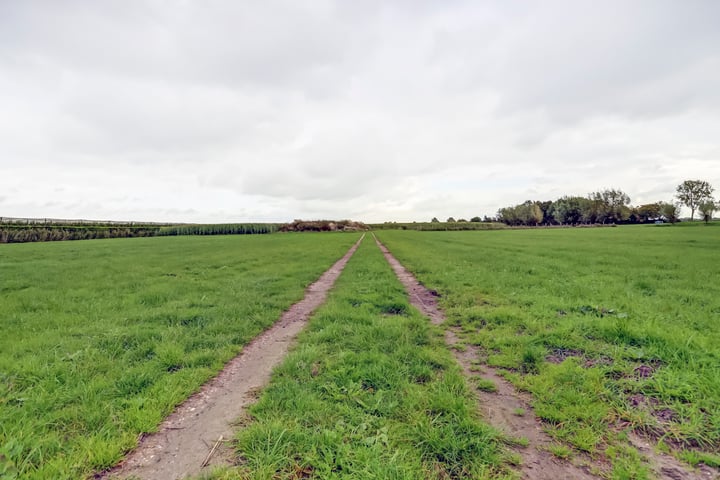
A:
(268, 111)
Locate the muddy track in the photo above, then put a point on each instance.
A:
(194, 434)
(510, 412)
(501, 408)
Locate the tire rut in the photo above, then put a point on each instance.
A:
(188, 438)
(498, 408)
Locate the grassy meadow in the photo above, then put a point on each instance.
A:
(610, 329)
(370, 391)
(101, 339)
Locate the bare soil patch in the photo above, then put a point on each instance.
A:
(667, 467)
(184, 441)
(510, 411)
(559, 355)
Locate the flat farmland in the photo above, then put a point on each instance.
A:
(101, 339)
(615, 332)
(610, 335)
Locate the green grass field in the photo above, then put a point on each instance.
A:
(101, 339)
(610, 329)
(370, 391)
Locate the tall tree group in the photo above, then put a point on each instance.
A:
(611, 206)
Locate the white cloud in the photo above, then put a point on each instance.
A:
(234, 111)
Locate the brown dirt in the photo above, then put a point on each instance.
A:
(501, 409)
(558, 355)
(186, 436)
(667, 467)
(644, 371)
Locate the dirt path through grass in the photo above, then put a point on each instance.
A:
(187, 436)
(499, 408)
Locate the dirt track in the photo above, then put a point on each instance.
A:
(500, 408)
(186, 437)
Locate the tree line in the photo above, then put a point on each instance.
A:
(612, 206)
(14, 230)
(475, 223)
(35, 231)
(47, 233)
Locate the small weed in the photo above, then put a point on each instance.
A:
(627, 462)
(560, 451)
(485, 385)
(520, 412)
(695, 458)
(517, 441)
(476, 368)
(532, 356)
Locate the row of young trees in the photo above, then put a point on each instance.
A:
(36, 231)
(612, 206)
(40, 233)
(14, 230)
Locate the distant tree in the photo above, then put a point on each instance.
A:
(475, 219)
(694, 192)
(450, 220)
(508, 216)
(707, 208)
(610, 205)
(530, 213)
(527, 213)
(434, 220)
(670, 211)
(487, 219)
(569, 210)
(545, 208)
(648, 212)
(461, 220)
(592, 211)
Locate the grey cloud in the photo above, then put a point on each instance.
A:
(578, 59)
(139, 116)
(270, 110)
(347, 176)
(234, 44)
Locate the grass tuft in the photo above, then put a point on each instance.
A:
(485, 385)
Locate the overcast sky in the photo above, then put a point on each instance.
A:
(212, 111)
